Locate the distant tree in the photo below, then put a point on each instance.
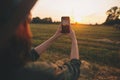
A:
(36, 20)
(47, 20)
(112, 13)
(44, 20)
(113, 16)
(56, 22)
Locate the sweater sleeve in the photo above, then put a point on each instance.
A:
(33, 55)
(69, 71)
(49, 71)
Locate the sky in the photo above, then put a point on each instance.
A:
(80, 11)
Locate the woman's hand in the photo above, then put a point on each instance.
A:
(71, 34)
(58, 32)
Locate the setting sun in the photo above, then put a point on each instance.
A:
(76, 20)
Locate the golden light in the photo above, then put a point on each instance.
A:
(77, 19)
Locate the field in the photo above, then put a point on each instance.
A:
(97, 44)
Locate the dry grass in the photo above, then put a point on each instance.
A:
(99, 46)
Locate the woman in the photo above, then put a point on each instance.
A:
(19, 62)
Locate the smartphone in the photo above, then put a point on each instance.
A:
(65, 24)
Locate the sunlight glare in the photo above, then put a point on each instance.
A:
(77, 19)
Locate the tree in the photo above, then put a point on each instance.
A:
(113, 16)
(36, 20)
(47, 20)
(44, 20)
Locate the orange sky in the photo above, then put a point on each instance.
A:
(82, 11)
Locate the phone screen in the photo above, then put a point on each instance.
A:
(65, 23)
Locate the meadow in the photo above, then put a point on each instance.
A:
(97, 44)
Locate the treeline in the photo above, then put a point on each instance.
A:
(47, 20)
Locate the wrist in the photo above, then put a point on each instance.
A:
(74, 41)
(73, 38)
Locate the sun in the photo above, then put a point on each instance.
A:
(77, 19)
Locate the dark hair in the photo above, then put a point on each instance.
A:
(17, 48)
